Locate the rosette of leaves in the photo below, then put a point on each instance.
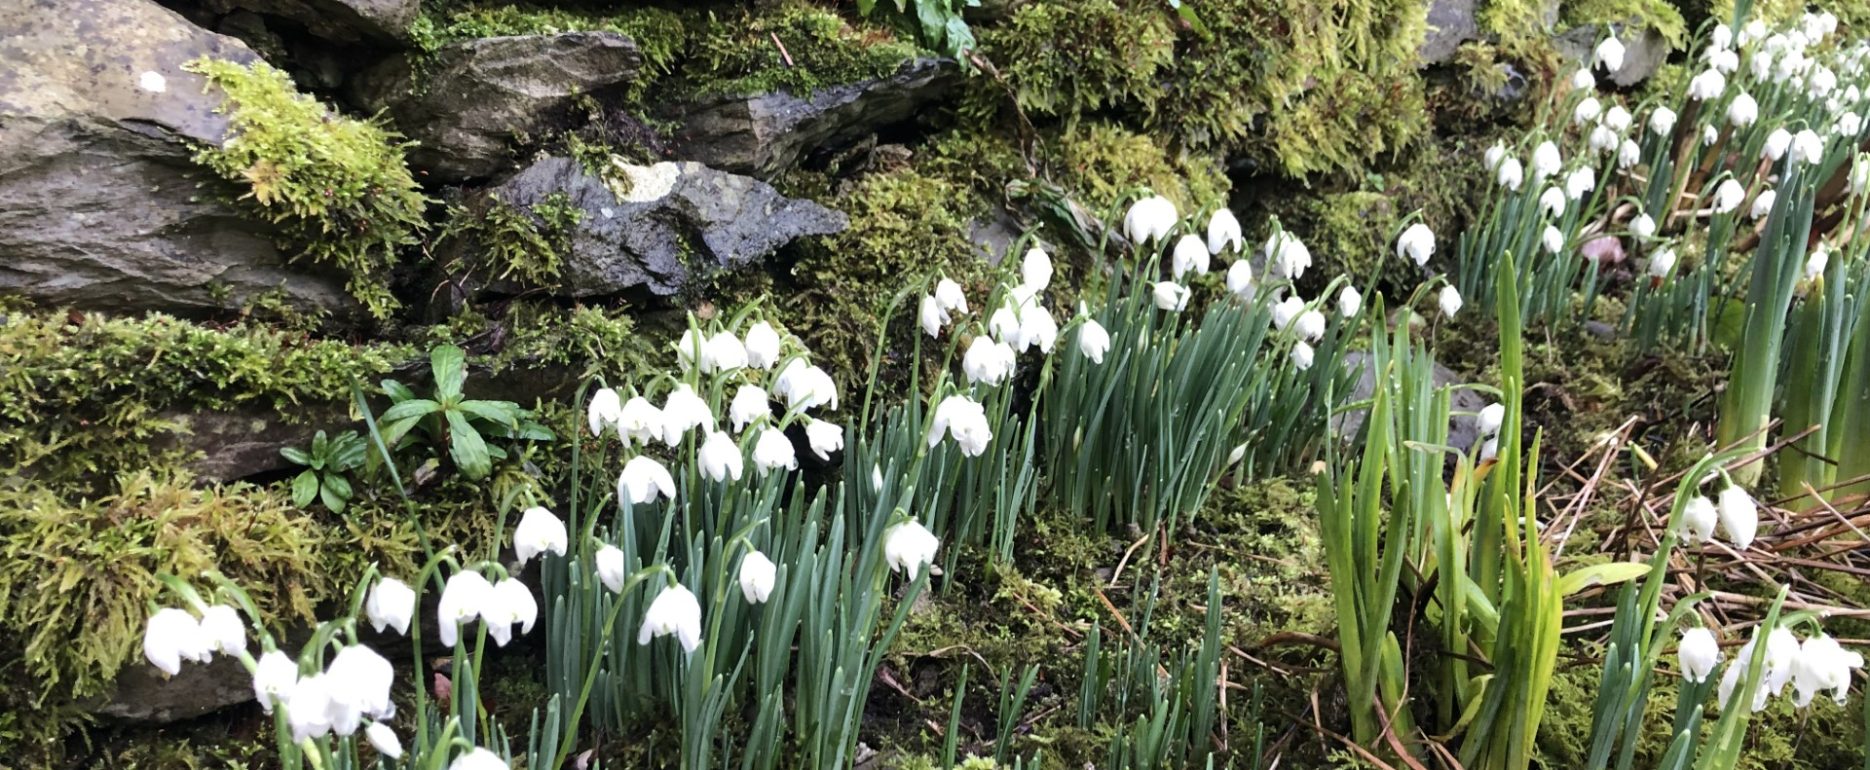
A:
(327, 463)
(448, 419)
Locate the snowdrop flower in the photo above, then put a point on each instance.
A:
(805, 386)
(1754, 30)
(1808, 147)
(1583, 80)
(643, 480)
(720, 458)
(1728, 196)
(1310, 325)
(605, 409)
(1776, 144)
(538, 532)
(724, 352)
(1823, 664)
(1416, 243)
(1698, 519)
(1763, 204)
(931, 315)
(1038, 328)
(1661, 262)
(1629, 153)
(1643, 226)
(1552, 240)
(1722, 37)
(682, 411)
(908, 547)
(1602, 139)
(1450, 300)
(772, 451)
(173, 636)
(1093, 341)
(392, 604)
(1349, 302)
(1580, 181)
(1240, 279)
(964, 419)
(763, 345)
(1743, 111)
(757, 576)
(1552, 202)
(609, 566)
(1791, 65)
(1286, 311)
(1707, 86)
(1190, 254)
(1490, 449)
(1004, 324)
(1035, 269)
(1740, 516)
(512, 604)
(1287, 254)
(1587, 111)
(1662, 121)
(1782, 651)
(750, 403)
(463, 596)
(825, 437)
(308, 708)
(1710, 134)
(1849, 124)
(1487, 422)
(1698, 654)
(689, 348)
(949, 296)
(1224, 232)
(1495, 154)
(1149, 219)
(674, 611)
(221, 627)
(360, 680)
(1610, 54)
(274, 676)
(1170, 296)
(478, 759)
(1545, 161)
(876, 477)
(1822, 82)
(639, 421)
(1510, 175)
(1724, 62)
(1302, 355)
(1618, 119)
(987, 361)
(384, 740)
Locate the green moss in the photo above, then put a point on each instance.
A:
(337, 187)
(505, 242)
(1658, 15)
(1101, 161)
(799, 47)
(658, 34)
(1067, 59)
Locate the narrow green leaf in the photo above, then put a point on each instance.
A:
(1600, 574)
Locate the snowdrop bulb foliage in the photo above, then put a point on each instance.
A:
(1190, 255)
(1224, 232)
(1807, 147)
(931, 316)
(964, 419)
(1698, 654)
(463, 596)
(1629, 153)
(1822, 664)
(1552, 240)
(1510, 175)
(512, 605)
(1450, 301)
(1149, 219)
(1487, 422)
(1350, 302)
(478, 759)
(1583, 80)
(825, 437)
(1310, 325)
(274, 676)
(1581, 180)
(173, 636)
(644, 480)
(1776, 144)
(1740, 516)
(1661, 262)
(538, 532)
(772, 451)
(908, 547)
(639, 421)
(1545, 161)
(384, 740)
(987, 361)
(949, 296)
(1610, 54)
(757, 576)
(1552, 202)
(673, 612)
(751, 402)
(720, 458)
(1416, 243)
(1035, 270)
(391, 604)
(221, 627)
(604, 411)
(1743, 111)
(1642, 226)
(609, 565)
(1093, 341)
(1698, 519)
(1287, 255)
(1240, 279)
(1587, 111)
(1707, 86)
(724, 352)
(1170, 296)
(1618, 119)
(1763, 204)
(1728, 196)
(1302, 355)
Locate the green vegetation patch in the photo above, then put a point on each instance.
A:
(799, 47)
(658, 34)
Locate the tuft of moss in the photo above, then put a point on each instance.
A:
(815, 48)
(1071, 58)
(336, 186)
(506, 242)
(1102, 160)
(1659, 15)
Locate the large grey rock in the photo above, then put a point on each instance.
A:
(472, 103)
(765, 134)
(659, 226)
(342, 21)
(99, 202)
(1463, 432)
(1644, 51)
(141, 693)
(1450, 23)
(239, 443)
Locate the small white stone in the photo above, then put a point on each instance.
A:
(153, 82)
